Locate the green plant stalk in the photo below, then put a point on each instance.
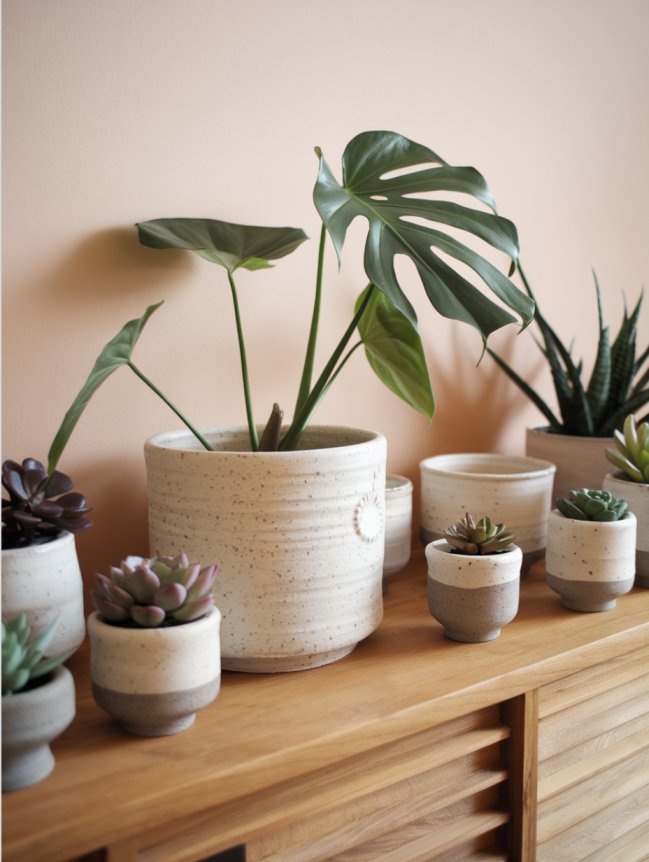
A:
(169, 404)
(328, 374)
(307, 371)
(252, 429)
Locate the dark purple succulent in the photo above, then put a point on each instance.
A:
(31, 515)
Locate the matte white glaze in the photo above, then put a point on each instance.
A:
(595, 551)
(472, 571)
(398, 522)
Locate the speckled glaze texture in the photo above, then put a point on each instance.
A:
(472, 596)
(590, 563)
(153, 681)
(514, 490)
(298, 538)
(45, 582)
(637, 496)
(580, 461)
(31, 720)
(398, 523)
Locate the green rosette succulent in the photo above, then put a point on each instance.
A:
(159, 591)
(23, 657)
(585, 504)
(632, 453)
(474, 535)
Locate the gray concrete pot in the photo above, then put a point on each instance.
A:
(473, 596)
(590, 563)
(155, 680)
(30, 721)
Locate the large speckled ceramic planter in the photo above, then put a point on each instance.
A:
(590, 563)
(514, 490)
(45, 582)
(298, 538)
(472, 596)
(398, 523)
(637, 496)
(154, 681)
(580, 461)
(31, 720)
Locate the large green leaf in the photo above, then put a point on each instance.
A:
(395, 352)
(400, 224)
(233, 246)
(115, 354)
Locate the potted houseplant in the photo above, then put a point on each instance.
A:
(631, 482)
(575, 438)
(40, 570)
(279, 546)
(590, 555)
(38, 702)
(155, 645)
(474, 579)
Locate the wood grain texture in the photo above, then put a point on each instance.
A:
(267, 735)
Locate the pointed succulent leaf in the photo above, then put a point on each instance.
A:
(202, 585)
(170, 597)
(148, 616)
(193, 610)
(229, 245)
(395, 352)
(109, 610)
(115, 354)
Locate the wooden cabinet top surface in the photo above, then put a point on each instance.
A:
(264, 729)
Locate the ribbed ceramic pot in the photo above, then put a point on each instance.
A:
(472, 596)
(155, 680)
(398, 522)
(298, 538)
(510, 489)
(31, 720)
(590, 563)
(45, 582)
(637, 496)
(580, 461)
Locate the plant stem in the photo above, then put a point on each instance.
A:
(169, 404)
(307, 371)
(252, 430)
(301, 420)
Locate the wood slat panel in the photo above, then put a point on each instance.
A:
(632, 846)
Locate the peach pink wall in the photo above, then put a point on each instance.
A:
(117, 111)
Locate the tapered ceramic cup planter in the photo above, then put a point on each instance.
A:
(298, 538)
(590, 564)
(514, 490)
(398, 523)
(473, 595)
(45, 581)
(155, 657)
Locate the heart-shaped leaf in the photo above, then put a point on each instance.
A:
(399, 217)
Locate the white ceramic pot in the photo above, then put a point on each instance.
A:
(45, 582)
(637, 496)
(31, 720)
(510, 489)
(473, 596)
(580, 461)
(398, 523)
(298, 538)
(590, 563)
(154, 680)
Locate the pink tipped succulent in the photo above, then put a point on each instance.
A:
(155, 592)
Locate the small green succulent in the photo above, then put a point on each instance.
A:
(23, 658)
(632, 454)
(478, 536)
(588, 505)
(153, 592)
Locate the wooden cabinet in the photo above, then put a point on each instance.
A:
(411, 749)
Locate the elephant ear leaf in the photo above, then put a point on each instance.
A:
(387, 179)
(233, 246)
(115, 354)
(395, 352)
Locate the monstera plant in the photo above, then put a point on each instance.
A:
(398, 187)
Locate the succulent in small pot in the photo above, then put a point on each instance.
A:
(631, 481)
(155, 643)
(474, 579)
(38, 702)
(590, 555)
